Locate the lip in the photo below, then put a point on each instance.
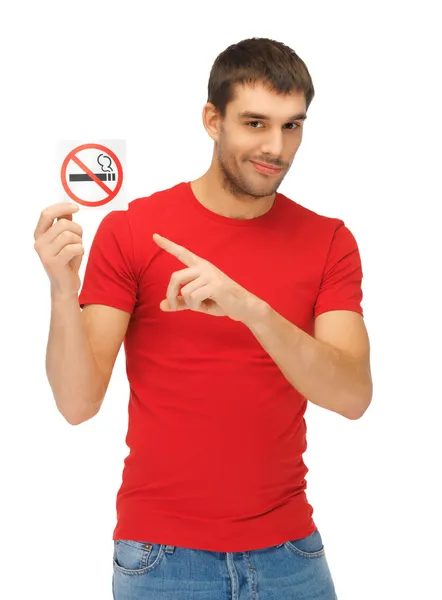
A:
(263, 168)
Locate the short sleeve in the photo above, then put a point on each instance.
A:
(341, 285)
(109, 275)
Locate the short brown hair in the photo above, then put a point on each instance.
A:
(257, 59)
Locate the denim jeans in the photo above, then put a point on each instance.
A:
(294, 570)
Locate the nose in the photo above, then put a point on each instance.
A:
(272, 145)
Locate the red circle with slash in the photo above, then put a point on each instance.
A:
(72, 156)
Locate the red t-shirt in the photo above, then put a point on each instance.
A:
(216, 433)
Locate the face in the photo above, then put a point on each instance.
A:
(241, 140)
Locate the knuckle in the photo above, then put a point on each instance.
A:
(48, 212)
(69, 235)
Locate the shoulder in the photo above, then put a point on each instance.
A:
(318, 223)
(154, 202)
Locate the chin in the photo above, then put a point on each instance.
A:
(263, 189)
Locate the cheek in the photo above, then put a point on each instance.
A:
(237, 143)
(233, 154)
(236, 153)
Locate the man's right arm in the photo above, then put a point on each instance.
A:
(81, 352)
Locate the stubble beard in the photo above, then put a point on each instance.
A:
(243, 186)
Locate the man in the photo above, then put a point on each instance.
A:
(236, 306)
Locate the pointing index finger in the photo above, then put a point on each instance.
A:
(182, 253)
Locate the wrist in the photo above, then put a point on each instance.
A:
(257, 312)
(63, 297)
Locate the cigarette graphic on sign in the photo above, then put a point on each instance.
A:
(102, 159)
(84, 177)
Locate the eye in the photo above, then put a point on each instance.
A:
(298, 125)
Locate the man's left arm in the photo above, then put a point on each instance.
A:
(331, 369)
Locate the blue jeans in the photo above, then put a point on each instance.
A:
(294, 570)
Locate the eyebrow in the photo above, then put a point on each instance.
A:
(252, 115)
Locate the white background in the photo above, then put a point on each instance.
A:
(370, 155)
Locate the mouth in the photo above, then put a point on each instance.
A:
(264, 168)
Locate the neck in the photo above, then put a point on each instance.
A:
(220, 198)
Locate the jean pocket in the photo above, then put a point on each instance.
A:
(136, 558)
(308, 547)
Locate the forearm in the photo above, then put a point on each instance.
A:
(325, 375)
(70, 365)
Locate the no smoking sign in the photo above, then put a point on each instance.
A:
(91, 173)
